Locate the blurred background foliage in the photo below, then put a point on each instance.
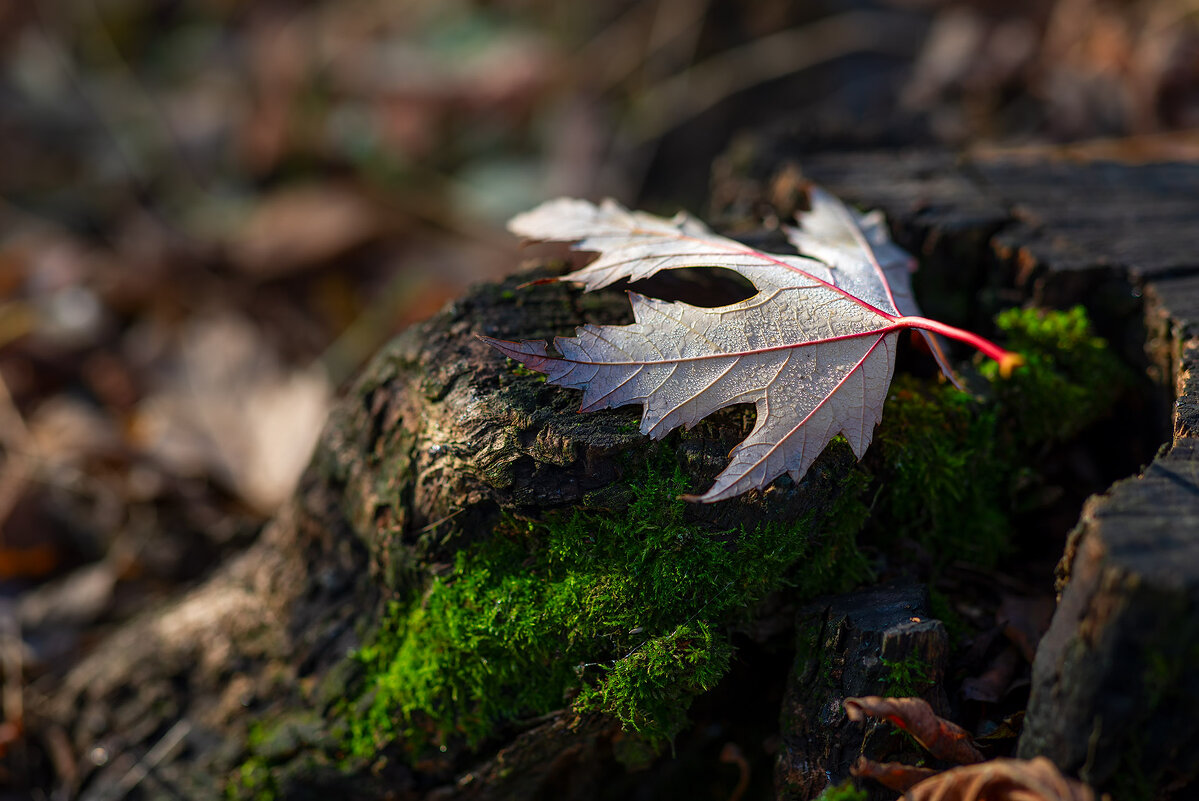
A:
(211, 212)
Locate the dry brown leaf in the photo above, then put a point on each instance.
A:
(228, 407)
(1024, 620)
(893, 775)
(994, 682)
(300, 227)
(941, 738)
(1035, 779)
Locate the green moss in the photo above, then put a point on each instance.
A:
(252, 781)
(950, 466)
(845, 791)
(519, 369)
(943, 482)
(906, 678)
(1070, 378)
(649, 689)
(626, 612)
(624, 608)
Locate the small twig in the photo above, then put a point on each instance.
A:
(62, 758)
(702, 86)
(731, 754)
(162, 749)
(431, 526)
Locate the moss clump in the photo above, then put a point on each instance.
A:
(648, 689)
(252, 781)
(908, 677)
(942, 480)
(1070, 379)
(949, 465)
(845, 791)
(629, 611)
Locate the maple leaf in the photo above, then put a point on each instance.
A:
(813, 350)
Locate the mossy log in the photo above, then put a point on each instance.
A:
(263, 681)
(249, 684)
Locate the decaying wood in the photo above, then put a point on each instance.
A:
(439, 436)
(841, 646)
(1116, 679)
(436, 439)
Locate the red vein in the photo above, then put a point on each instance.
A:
(860, 238)
(987, 347)
(779, 443)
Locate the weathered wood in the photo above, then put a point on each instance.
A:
(439, 438)
(1137, 218)
(846, 647)
(1116, 679)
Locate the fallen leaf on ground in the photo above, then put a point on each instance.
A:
(814, 349)
(941, 738)
(1005, 731)
(1025, 620)
(993, 683)
(229, 408)
(893, 775)
(300, 227)
(1035, 779)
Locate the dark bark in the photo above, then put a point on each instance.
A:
(845, 648)
(1115, 693)
(1116, 679)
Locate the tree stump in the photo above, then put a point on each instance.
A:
(1115, 694)
(1116, 680)
(846, 647)
(438, 443)
(256, 682)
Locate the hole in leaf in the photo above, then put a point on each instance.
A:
(707, 287)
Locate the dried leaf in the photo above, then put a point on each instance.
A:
(814, 349)
(1035, 779)
(892, 775)
(298, 228)
(941, 738)
(1025, 620)
(992, 684)
(229, 408)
